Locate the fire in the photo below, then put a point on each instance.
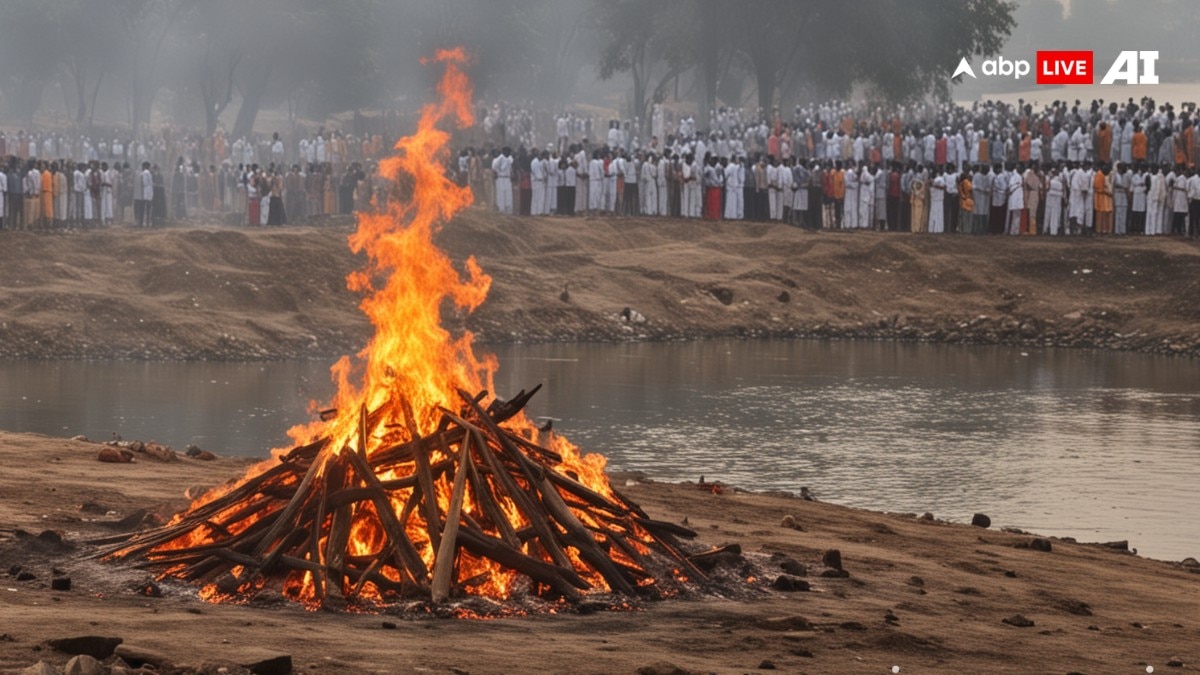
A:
(412, 356)
(419, 482)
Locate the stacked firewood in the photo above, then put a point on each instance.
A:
(432, 504)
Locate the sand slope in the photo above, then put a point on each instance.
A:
(1094, 609)
(223, 293)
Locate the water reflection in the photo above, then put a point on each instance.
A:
(1093, 445)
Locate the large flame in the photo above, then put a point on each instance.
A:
(412, 357)
(401, 385)
(411, 485)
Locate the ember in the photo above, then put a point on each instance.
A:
(417, 484)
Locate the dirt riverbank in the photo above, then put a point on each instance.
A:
(246, 294)
(923, 595)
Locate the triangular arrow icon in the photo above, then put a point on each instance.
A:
(963, 67)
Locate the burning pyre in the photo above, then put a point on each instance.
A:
(418, 484)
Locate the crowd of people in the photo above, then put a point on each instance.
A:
(1066, 169)
(49, 181)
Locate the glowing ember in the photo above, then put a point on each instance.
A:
(421, 485)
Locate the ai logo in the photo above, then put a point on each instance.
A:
(1125, 69)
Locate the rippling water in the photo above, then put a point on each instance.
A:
(1097, 446)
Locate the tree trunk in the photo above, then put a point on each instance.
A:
(764, 72)
(252, 95)
(25, 99)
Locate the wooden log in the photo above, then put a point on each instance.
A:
(366, 576)
(412, 564)
(485, 498)
(543, 453)
(563, 581)
(536, 517)
(443, 567)
(583, 540)
(662, 527)
(303, 494)
(431, 509)
(319, 579)
(339, 528)
(585, 493)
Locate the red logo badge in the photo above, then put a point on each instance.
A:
(1063, 67)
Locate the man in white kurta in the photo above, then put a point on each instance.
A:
(866, 199)
(108, 182)
(502, 168)
(595, 184)
(774, 191)
(1054, 202)
(850, 211)
(1157, 198)
(937, 201)
(735, 178)
(537, 179)
(1016, 204)
(648, 187)
(78, 190)
(1078, 186)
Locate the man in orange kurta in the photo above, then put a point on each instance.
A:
(839, 194)
(1102, 189)
(1183, 142)
(47, 196)
(1104, 142)
(1139, 144)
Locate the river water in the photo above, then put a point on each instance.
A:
(1098, 446)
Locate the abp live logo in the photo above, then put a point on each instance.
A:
(1071, 67)
(1076, 67)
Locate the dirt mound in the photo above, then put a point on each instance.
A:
(235, 294)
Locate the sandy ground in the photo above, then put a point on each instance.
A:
(236, 294)
(948, 587)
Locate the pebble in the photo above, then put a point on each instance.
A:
(84, 665)
(767, 664)
(40, 668)
(981, 520)
(832, 559)
(93, 645)
(1042, 545)
(785, 623)
(115, 455)
(1019, 621)
(790, 584)
(60, 584)
(793, 567)
(136, 655)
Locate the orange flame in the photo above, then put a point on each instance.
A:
(412, 363)
(411, 355)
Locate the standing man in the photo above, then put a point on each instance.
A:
(502, 167)
(1122, 182)
(850, 201)
(1102, 189)
(999, 199)
(735, 175)
(1193, 194)
(1157, 198)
